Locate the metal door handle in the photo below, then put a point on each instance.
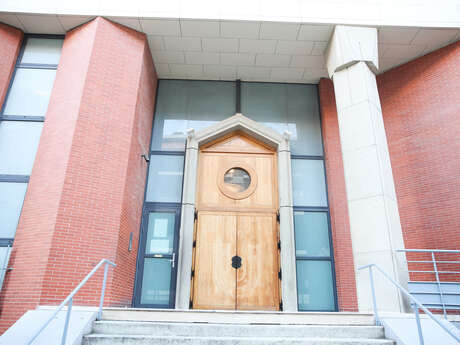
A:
(236, 262)
(173, 260)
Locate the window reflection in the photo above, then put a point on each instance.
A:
(184, 104)
(237, 179)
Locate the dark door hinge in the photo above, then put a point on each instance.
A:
(193, 273)
(190, 304)
(279, 245)
(194, 243)
(279, 275)
(278, 216)
(281, 305)
(195, 215)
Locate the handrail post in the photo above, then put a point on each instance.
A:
(67, 319)
(438, 281)
(419, 326)
(374, 299)
(101, 303)
(415, 301)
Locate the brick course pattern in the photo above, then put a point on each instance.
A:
(341, 237)
(10, 44)
(87, 185)
(421, 111)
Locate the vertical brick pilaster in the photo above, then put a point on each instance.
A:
(341, 237)
(87, 185)
(10, 44)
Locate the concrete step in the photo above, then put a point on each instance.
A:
(104, 339)
(238, 317)
(232, 330)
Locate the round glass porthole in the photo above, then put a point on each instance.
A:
(237, 180)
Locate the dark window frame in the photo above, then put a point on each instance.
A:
(157, 208)
(329, 258)
(13, 178)
(19, 65)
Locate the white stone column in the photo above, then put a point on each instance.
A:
(375, 226)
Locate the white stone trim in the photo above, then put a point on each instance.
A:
(271, 138)
(350, 45)
(375, 226)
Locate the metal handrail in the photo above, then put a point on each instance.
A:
(69, 299)
(436, 272)
(417, 306)
(429, 250)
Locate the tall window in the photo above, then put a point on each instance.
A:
(21, 121)
(180, 105)
(295, 108)
(183, 104)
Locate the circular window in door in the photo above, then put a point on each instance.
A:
(237, 180)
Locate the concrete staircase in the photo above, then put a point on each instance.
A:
(142, 327)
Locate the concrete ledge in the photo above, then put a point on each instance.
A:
(81, 321)
(238, 317)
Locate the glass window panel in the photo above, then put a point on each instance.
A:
(18, 146)
(265, 103)
(183, 104)
(42, 51)
(165, 178)
(311, 234)
(156, 281)
(304, 120)
(315, 285)
(160, 233)
(29, 95)
(308, 182)
(288, 107)
(237, 179)
(11, 199)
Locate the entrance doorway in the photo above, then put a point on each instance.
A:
(236, 261)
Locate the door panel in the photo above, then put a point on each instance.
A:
(236, 222)
(156, 275)
(215, 278)
(257, 278)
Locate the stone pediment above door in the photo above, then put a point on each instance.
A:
(227, 191)
(236, 142)
(243, 124)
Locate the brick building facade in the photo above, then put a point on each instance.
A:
(87, 191)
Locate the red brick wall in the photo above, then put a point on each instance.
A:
(10, 43)
(421, 110)
(87, 185)
(341, 237)
(123, 283)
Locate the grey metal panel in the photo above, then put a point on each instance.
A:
(446, 287)
(428, 294)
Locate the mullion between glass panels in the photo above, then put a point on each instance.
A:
(168, 153)
(307, 157)
(314, 258)
(14, 178)
(6, 242)
(24, 118)
(36, 66)
(158, 256)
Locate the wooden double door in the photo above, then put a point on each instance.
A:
(236, 255)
